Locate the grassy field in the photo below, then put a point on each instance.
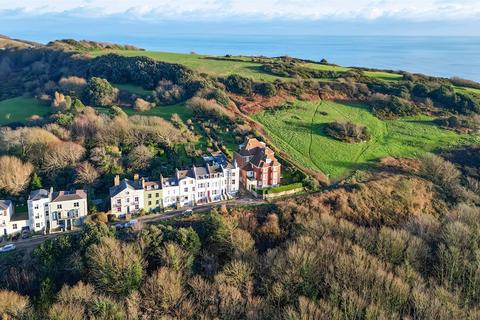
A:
(200, 63)
(467, 90)
(139, 91)
(299, 131)
(20, 109)
(246, 68)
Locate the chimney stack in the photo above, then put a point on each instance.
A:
(135, 177)
(142, 182)
(116, 180)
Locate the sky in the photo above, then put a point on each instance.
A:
(44, 19)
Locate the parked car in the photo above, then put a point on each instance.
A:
(130, 223)
(7, 248)
(188, 212)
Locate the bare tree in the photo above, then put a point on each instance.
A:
(86, 173)
(140, 157)
(14, 174)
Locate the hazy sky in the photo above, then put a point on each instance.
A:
(422, 17)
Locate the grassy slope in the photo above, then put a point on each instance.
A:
(20, 109)
(200, 63)
(299, 132)
(249, 69)
(164, 112)
(139, 91)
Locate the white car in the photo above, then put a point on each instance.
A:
(8, 248)
(188, 212)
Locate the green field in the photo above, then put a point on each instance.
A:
(299, 131)
(20, 109)
(202, 63)
(139, 91)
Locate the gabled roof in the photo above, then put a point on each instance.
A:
(125, 184)
(38, 194)
(5, 204)
(68, 195)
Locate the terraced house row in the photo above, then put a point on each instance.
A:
(48, 211)
(215, 181)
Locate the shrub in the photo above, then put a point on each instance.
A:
(209, 109)
(141, 105)
(265, 89)
(347, 132)
(99, 92)
(239, 85)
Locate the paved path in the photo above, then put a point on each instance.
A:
(148, 219)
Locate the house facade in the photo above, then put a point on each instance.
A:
(217, 180)
(259, 169)
(6, 213)
(51, 211)
(127, 196)
(66, 209)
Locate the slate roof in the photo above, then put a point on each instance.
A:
(5, 204)
(125, 184)
(38, 194)
(60, 196)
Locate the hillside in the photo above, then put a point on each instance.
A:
(6, 42)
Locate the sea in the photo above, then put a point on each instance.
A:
(437, 56)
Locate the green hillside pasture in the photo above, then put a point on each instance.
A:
(20, 109)
(201, 63)
(300, 133)
(204, 64)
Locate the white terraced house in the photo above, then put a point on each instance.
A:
(56, 211)
(126, 196)
(217, 180)
(9, 222)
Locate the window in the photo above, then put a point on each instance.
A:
(119, 209)
(149, 196)
(128, 200)
(76, 204)
(136, 199)
(233, 181)
(136, 207)
(185, 189)
(149, 203)
(37, 225)
(157, 195)
(157, 202)
(36, 207)
(59, 206)
(119, 201)
(14, 226)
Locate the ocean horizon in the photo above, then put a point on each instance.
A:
(433, 55)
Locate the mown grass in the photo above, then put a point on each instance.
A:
(299, 131)
(21, 109)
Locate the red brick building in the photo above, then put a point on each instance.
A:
(258, 166)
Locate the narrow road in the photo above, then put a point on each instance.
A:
(146, 220)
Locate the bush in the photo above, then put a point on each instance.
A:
(209, 109)
(99, 92)
(265, 89)
(239, 85)
(347, 132)
(141, 105)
